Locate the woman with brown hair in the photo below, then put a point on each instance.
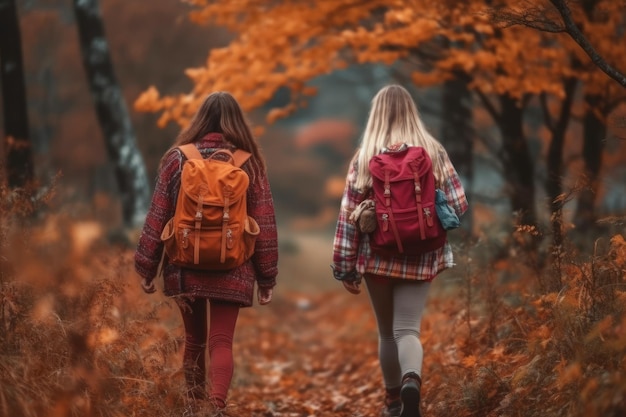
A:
(218, 124)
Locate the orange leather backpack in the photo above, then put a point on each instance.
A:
(211, 228)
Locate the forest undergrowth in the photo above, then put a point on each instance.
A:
(504, 337)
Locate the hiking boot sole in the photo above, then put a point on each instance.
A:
(410, 396)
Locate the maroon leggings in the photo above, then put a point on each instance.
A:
(223, 318)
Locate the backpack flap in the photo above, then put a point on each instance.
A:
(215, 183)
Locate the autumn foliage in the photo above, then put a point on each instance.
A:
(288, 43)
(79, 338)
(540, 106)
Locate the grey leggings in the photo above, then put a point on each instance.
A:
(398, 306)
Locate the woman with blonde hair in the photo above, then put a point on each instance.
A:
(218, 124)
(397, 283)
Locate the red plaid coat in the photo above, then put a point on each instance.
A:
(351, 249)
(236, 285)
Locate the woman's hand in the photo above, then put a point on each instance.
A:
(148, 287)
(354, 287)
(264, 295)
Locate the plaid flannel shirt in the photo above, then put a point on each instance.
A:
(351, 249)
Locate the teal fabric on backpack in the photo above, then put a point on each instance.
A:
(447, 216)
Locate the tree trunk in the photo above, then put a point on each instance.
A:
(554, 181)
(594, 133)
(17, 144)
(519, 169)
(517, 163)
(112, 113)
(457, 133)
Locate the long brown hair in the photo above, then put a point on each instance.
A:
(221, 113)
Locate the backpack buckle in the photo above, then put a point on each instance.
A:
(185, 240)
(385, 219)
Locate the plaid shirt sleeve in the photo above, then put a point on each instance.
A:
(347, 237)
(150, 247)
(453, 188)
(261, 209)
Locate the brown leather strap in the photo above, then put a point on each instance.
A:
(396, 234)
(223, 248)
(387, 192)
(161, 266)
(225, 220)
(241, 157)
(196, 248)
(392, 220)
(417, 187)
(197, 230)
(190, 151)
(418, 198)
(420, 215)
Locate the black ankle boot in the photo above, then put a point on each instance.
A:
(392, 403)
(410, 395)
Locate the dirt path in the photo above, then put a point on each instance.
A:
(307, 356)
(304, 263)
(312, 352)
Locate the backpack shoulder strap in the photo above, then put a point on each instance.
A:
(240, 157)
(190, 151)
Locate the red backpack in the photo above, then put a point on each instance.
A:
(404, 195)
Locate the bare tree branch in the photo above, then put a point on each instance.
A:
(540, 18)
(576, 34)
(531, 16)
(491, 109)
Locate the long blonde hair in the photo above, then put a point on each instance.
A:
(394, 119)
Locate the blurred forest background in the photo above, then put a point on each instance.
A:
(528, 97)
(308, 151)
